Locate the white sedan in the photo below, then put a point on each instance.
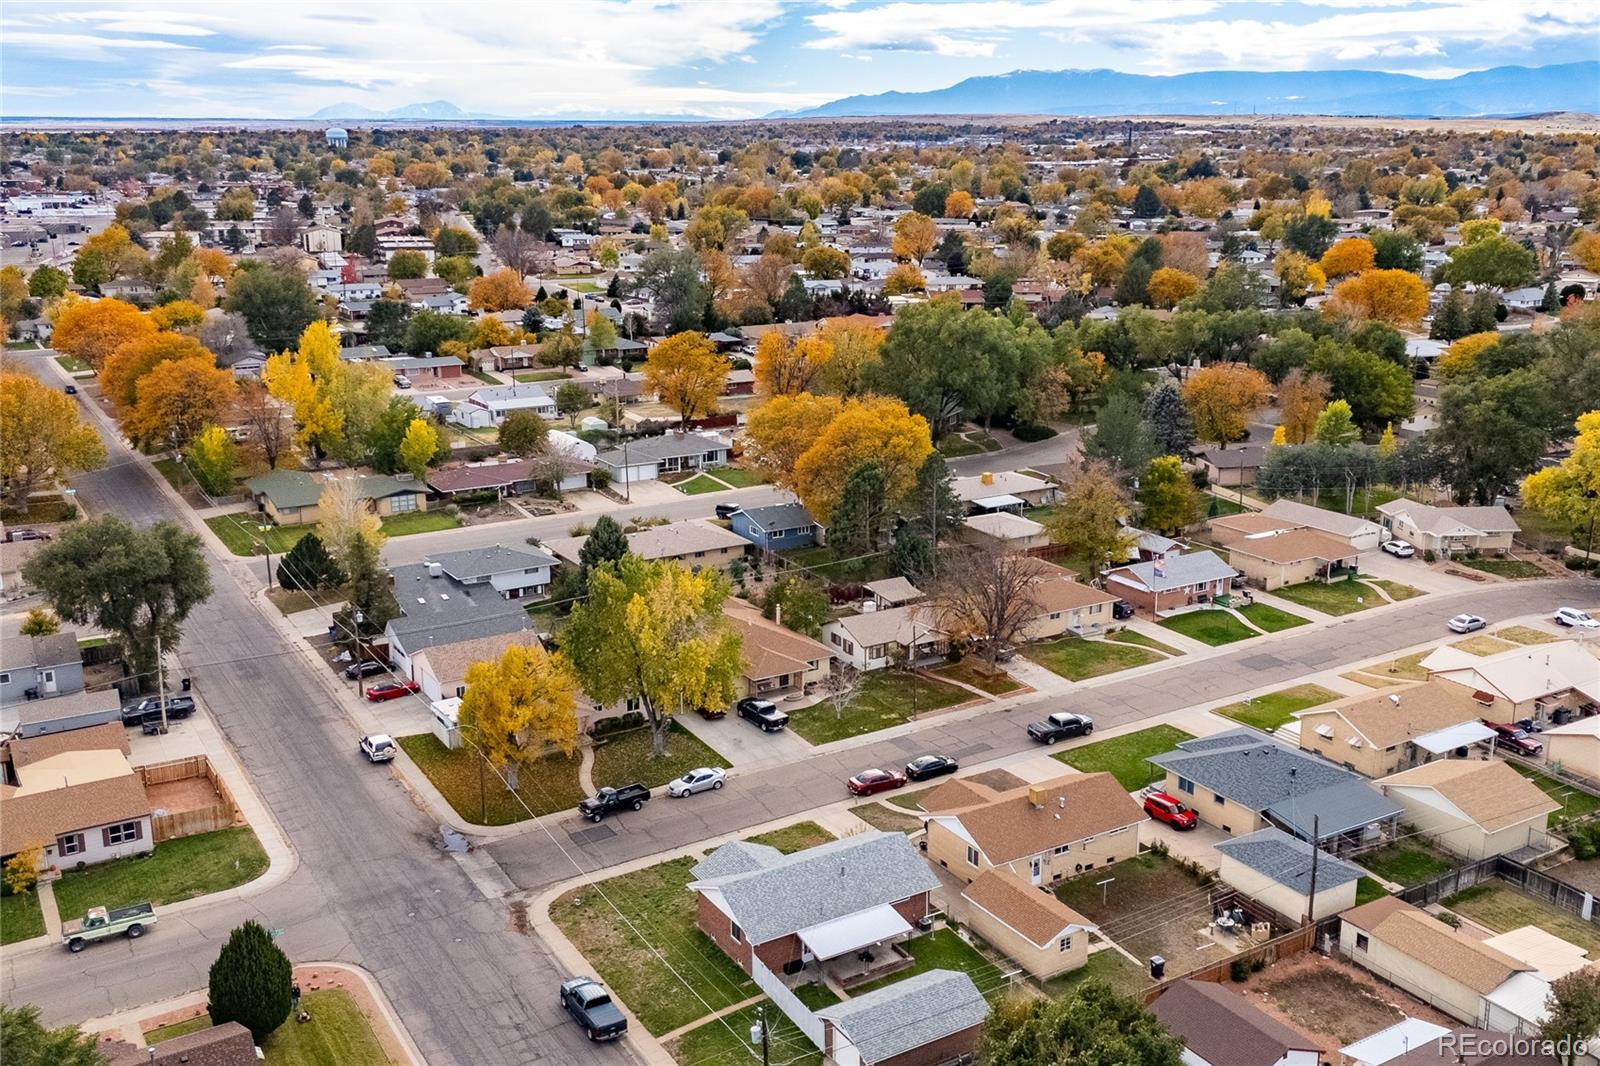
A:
(1465, 623)
(705, 779)
(1571, 616)
(1399, 549)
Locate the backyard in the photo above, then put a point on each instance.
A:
(1210, 625)
(1108, 965)
(887, 698)
(1125, 757)
(1138, 889)
(1406, 864)
(1341, 597)
(1267, 713)
(623, 758)
(20, 917)
(1575, 803)
(1077, 659)
(724, 1041)
(176, 870)
(943, 949)
(1501, 907)
(1266, 617)
(822, 562)
(1327, 1001)
(338, 1034)
(478, 795)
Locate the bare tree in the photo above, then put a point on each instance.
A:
(518, 249)
(987, 596)
(553, 466)
(271, 432)
(842, 685)
(284, 225)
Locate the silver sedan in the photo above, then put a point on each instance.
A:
(705, 779)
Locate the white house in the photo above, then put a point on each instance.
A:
(1448, 530)
(875, 639)
(501, 400)
(512, 572)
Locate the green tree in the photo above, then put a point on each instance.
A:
(861, 515)
(408, 265)
(1310, 235)
(1121, 436)
(427, 331)
(386, 323)
(1336, 427)
(1167, 417)
(1146, 203)
(457, 270)
(1090, 521)
(571, 397)
(371, 603)
(386, 433)
(25, 1042)
(212, 458)
(1573, 1012)
(276, 303)
(932, 509)
(308, 566)
(1450, 321)
(672, 279)
(800, 604)
(1378, 391)
(1167, 498)
(39, 622)
(523, 433)
(1396, 250)
(1090, 1026)
(912, 555)
(419, 448)
(452, 240)
(606, 543)
(1493, 430)
(1483, 313)
(251, 982)
(136, 584)
(1493, 260)
(47, 283)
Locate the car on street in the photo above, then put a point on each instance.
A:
(590, 1006)
(1060, 726)
(1465, 623)
(763, 713)
(871, 782)
(391, 690)
(178, 707)
(379, 747)
(100, 924)
(71, 390)
(1515, 737)
(925, 766)
(610, 800)
(1574, 618)
(1164, 808)
(727, 510)
(1399, 549)
(401, 381)
(26, 534)
(365, 669)
(705, 779)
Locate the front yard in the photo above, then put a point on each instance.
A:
(1397, 592)
(1341, 597)
(338, 1034)
(1077, 659)
(1515, 569)
(1266, 617)
(1133, 636)
(1210, 625)
(1503, 908)
(478, 795)
(943, 949)
(1267, 713)
(1125, 757)
(793, 838)
(20, 917)
(243, 535)
(887, 698)
(177, 870)
(623, 758)
(71, 364)
(975, 672)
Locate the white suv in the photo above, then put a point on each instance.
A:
(1571, 616)
(1399, 549)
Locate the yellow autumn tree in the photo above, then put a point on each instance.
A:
(179, 314)
(418, 447)
(1298, 276)
(785, 367)
(855, 347)
(1349, 256)
(688, 373)
(345, 517)
(1570, 492)
(1168, 286)
(874, 427)
(904, 279)
(1222, 398)
(1461, 358)
(502, 290)
(914, 235)
(41, 436)
(1396, 297)
(779, 431)
(93, 329)
(959, 204)
(519, 706)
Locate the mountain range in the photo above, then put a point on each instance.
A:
(432, 110)
(1499, 91)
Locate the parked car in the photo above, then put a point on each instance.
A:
(379, 747)
(610, 800)
(711, 714)
(1515, 737)
(1399, 549)
(763, 713)
(26, 534)
(1571, 616)
(71, 390)
(925, 766)
(178, 707)
(1122, 610)
(365, 669)
(1465, 623)
(401, 381)
(590, 1006)
(705, 779)
(99, 924)
(1163, 808)
(391, 690)
(1060, 726)
(727, 510)
(870, 782)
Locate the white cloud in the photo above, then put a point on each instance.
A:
(975, 29)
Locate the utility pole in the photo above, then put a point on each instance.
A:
(758, 1033)
(161, 684)
(1311, 896)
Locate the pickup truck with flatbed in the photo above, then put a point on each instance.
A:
(610, 800)
(101, 924)
(1060, 726)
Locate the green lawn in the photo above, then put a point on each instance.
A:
(177, 870)
(243, 536)
(1368, 890)
(1276, 709)
(1406, 864)
(793, 838)
(541, 375)
(738, 477)
(975, 672)
(402, 525)
(480, 797)
(698, 485)
(487, 379)
(1133, 636)
(1575, 803)
(1077, 659)
(623, 758)
(1125, 757)
(657, 914)
(1107, 965)
(823, 563)
(724, 1042)
(21, 918)
(166, 1032)
(887, 698)
(1365, 502)
(1509, 568)
(1210, 625)
(1397, 592)
(1503, 908)
(338, 1034)
(886, 818)
(174, 471)
(1337, 598)
(1217, 506)
(1267, 617)
(71, 364)
(942, 949)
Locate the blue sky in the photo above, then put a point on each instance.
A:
(721, 58)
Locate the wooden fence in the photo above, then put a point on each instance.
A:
(188, 823)
(1558, 893)
(1266, 953)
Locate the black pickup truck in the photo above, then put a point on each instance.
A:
(1060, 726)
(610, 800)
(590, 1006)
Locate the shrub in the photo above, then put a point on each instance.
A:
(1449, 919)
(1239, 971)
(1428, 556)
(600, 479)
(1028, 432)
(620, 724)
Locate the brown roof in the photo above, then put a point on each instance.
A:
(40, 817)
(1062, 593)
(1295, 546)
(449, 662)
(1488, 791)
(482, 476)
(1368, 916)
(1227, 529)
(769, 648)
(25, 750)
(1423, 708)
(955, 795)
(1038, 916)
(228, 1044)
(1219, 1025)
(1082, 805)
(1420, 936)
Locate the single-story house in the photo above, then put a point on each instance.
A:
(875, 639)
(228, 1044)
(893, 592)
(1359, 533)
(1378, 734)
(512, 572)
(508, 477)
(1527, 682)
(441, 669)
(988, 491)
(506, 357)
(1575, 747)
(290, 497)
(695, 543)
(33, 668)
(1066, 605)
(1476, 1047)
(1241, 782)
(778, 527)
(35, 718)
(648, 458)
(437, 609)
(431, 367)
(1043, 833)
(1219, 1027)
(500, 400)
(1034, 928)
(777, 660)
(1476, 808)
(1275, 869)
(1521, 1005)
(1233, 467)
(1449, 530)
(1005, 530)
(1174, 582)
(929, 1019)
(1228, 530)
(81, 805)
(1273, 560)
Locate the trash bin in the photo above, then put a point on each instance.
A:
(1158, 968)
(188, 683)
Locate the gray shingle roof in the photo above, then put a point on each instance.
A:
(1287, 860)
(823, 883)
(909, 1014)
(475, 564)
(779, 516)
(1180, 571)
(655, 449)
(739, 857)
(439, 610)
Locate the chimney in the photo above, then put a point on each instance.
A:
(1036, 796)
(986, 478)
(435, 570)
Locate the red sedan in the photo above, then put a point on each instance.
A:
(1163, 808)
(871, 781)
(391, 690)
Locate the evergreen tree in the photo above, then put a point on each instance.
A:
(372, 603)
(912, 556)
(25, 1042)
(251, 982)
(1551, 304)
(859, 516)
(1450, 321)
(932, 509)
(606, 543)
(614, 287)
(1167, 417)
(1482, 315)
(308, 566)
(1146, 204)
(1121, 436)
(1134, 285)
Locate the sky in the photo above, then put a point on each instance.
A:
(287, 59)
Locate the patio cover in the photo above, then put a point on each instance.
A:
(995, 503)
(830, 939)
(1453, 736)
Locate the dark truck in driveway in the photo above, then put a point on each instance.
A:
(1060, 726)
(610, 800)
(590, 1006)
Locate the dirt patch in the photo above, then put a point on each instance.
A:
(887, 818)
(999, 780)
(1584, 876)
(1332, 1002)
(188, 794)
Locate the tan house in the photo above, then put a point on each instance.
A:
(1378, 734)
(1359, 533)
(1476, 808)
(1004, 530)
(1525, 682)
(874, 639)
(1275, 869)
(290, 497)
(777, 660)
(1228, 530)
(1034, 928)
(1449, 530)
(80, 804)
(1575, 747)
(441, 669)
(1273, 560)
(1042, 833)
(695, 543)
(1418, 953)
(1067, 605)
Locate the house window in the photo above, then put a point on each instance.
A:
(972, 856)
(5, 679)
(69, 844)
(125, 833)
(1064, 944)
(1185, 785)
(1218, 800)
(735, 932)
(402, 503)
(1361, 942)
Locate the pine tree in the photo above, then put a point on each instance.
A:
(308, 566)
(250, 982)
(606, 543)
(1146, 204)
(1450, 321)
(1551, 303)
(1168, 418)
(372, 603)
(859, 516)
(933, 508)
(912, 556)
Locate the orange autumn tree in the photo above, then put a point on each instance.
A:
(1222, 398)
(120, 374)
(785, 367)
(1349, 256)
(93, 329)
(778, 432)
(1396, 297)
(1168, 286)
(878, 428)
(501, 291)
(175, 401)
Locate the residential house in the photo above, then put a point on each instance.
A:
(1277, 871)
(228, 1044)
(1525, 682)
(1219, 1027)
(290, 497)
(1043, 833)
(35, 718)
(430, 367)
(1065, 605)
(436, 609)
(1415, 951)
(1290, 557)
(1449, 530)
(1521, 1005)
(695, 543)
(1228, 530)
(1574, 747)
(649, 458)
(500, 400)
(33, 668)
(893, 592)
(1045, 936)
(1241, 782)
(929, 1019)
(1177, 581)
(1476, 1047)
(318, 239)
(1387, 1045)
(1233, 467)
(1359, 533)
(1476, 808)
(875, 639)
(440, 670)
(512, 572)
(778, 527)
(80, 804)
(1003, 531)
(507, 477)
(1005, 490)
(777, 660)
(1378, 734)
(507, 357)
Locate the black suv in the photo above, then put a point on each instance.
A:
(763, 713)
(366, 669)
(150, 707)
(610, 800)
